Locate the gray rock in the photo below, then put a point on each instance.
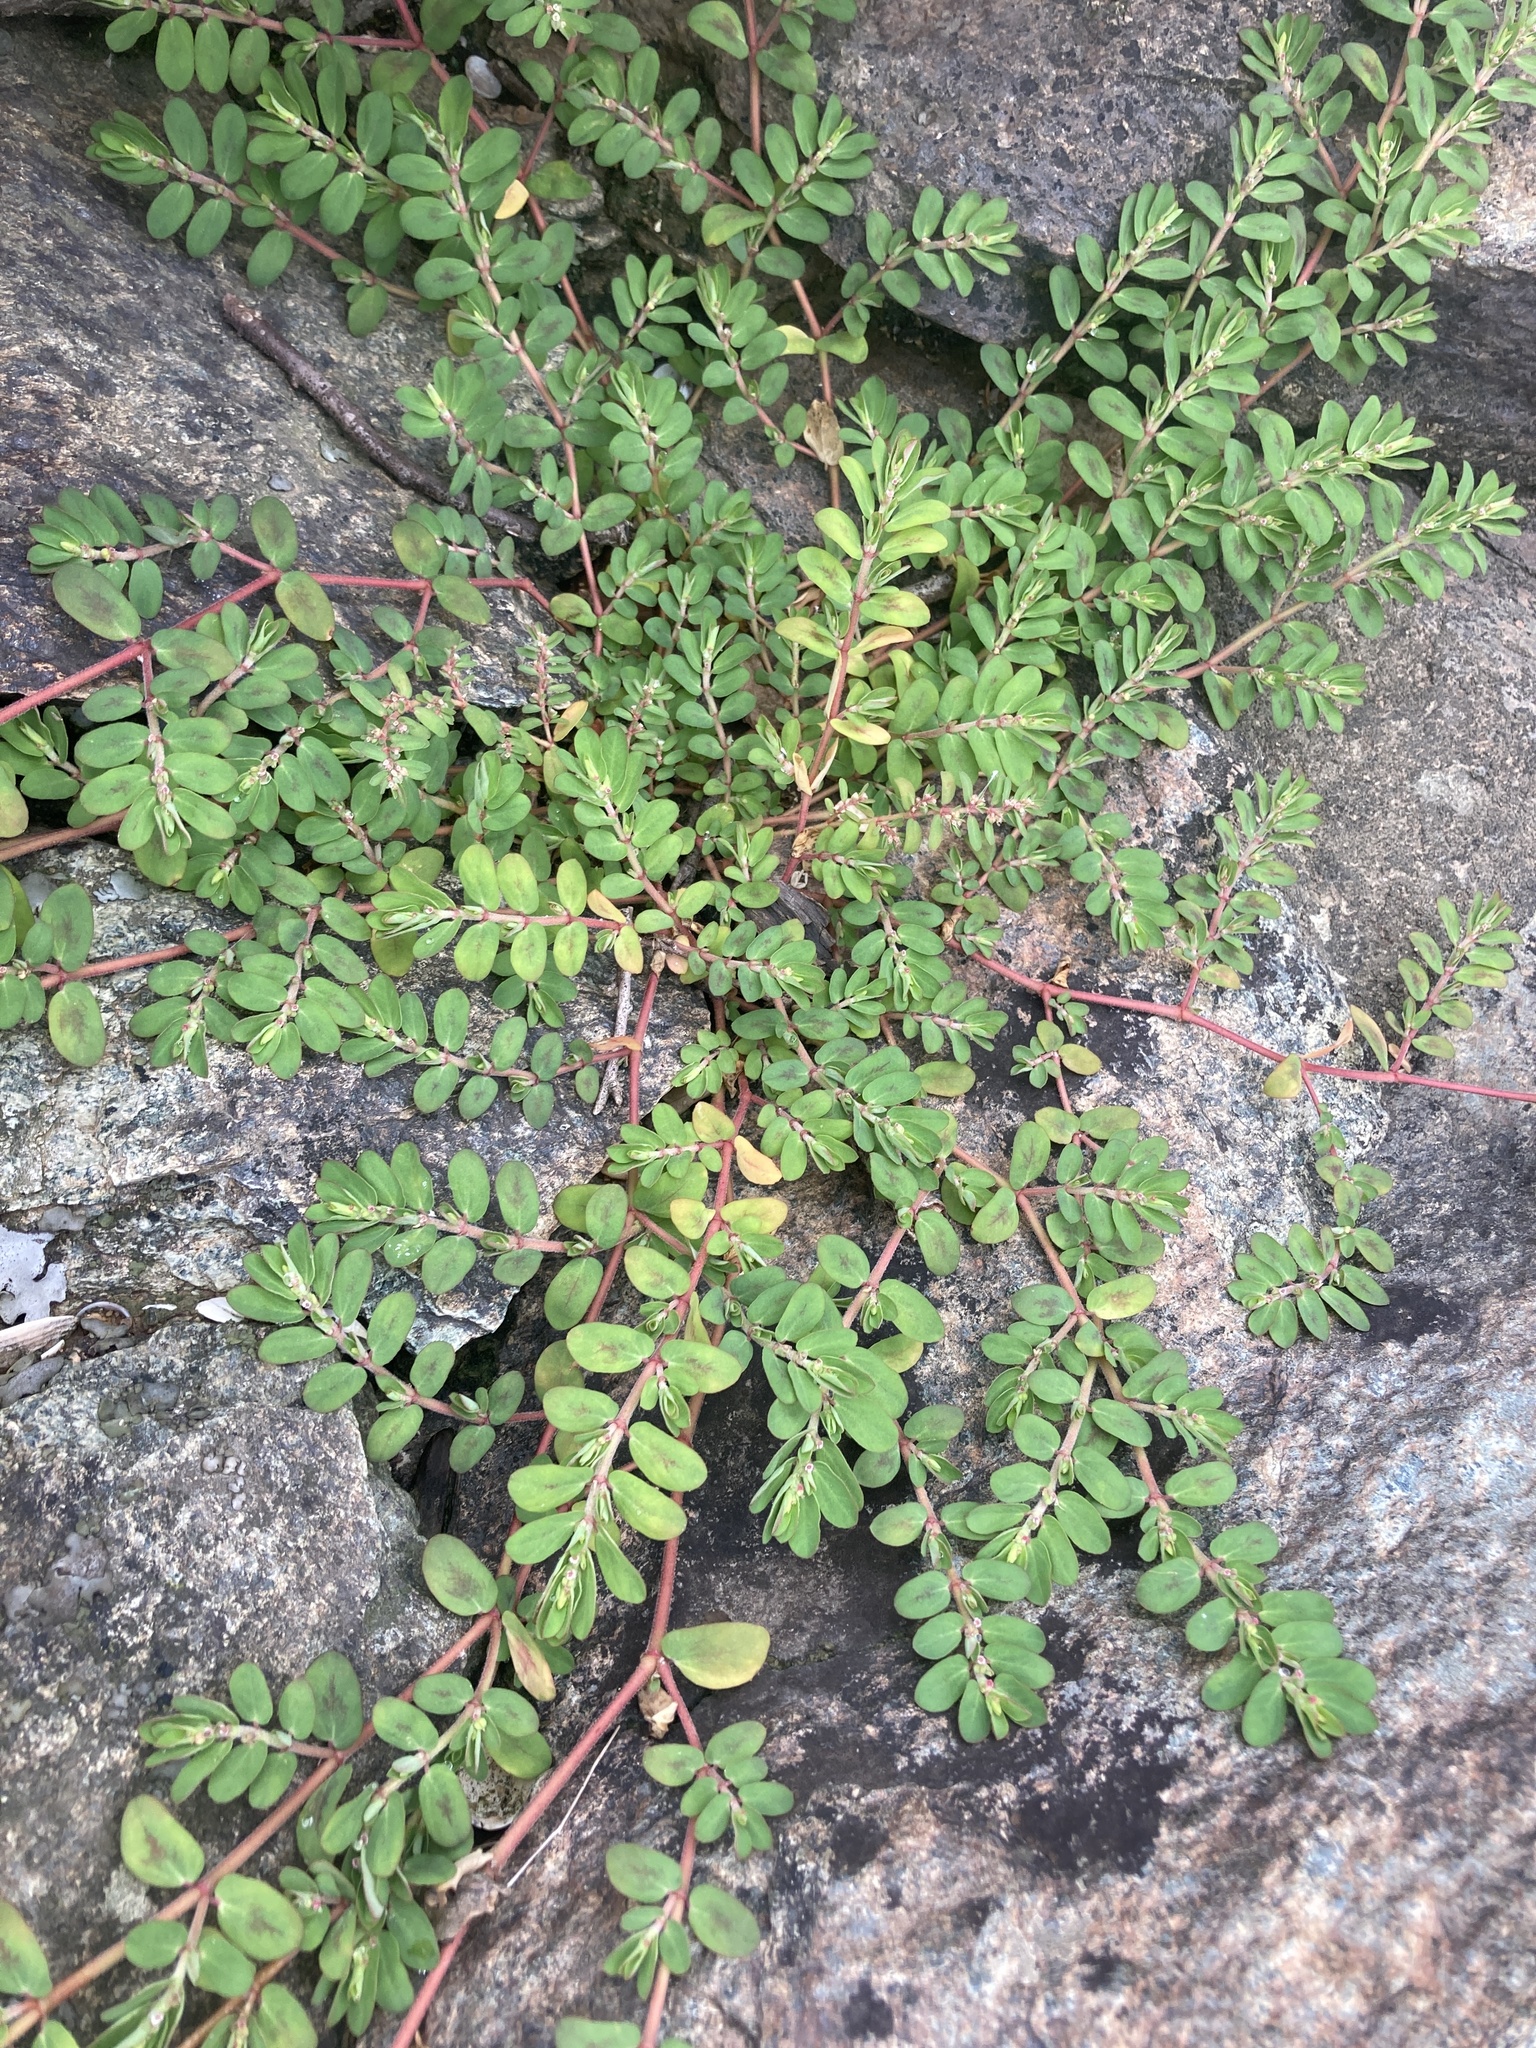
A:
(165, 1513)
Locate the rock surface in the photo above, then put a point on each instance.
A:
(166, 1512)
(1129, 1876)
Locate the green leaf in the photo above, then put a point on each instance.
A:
(250, 1695)
(1264, 1715)
(721, 1922)
(390, 1325)
(276, 534)
(719, 24)
(719, 1654)
(259, 1920)
(570, 1293)
(647, 1511)
(155, 1944)
(447, 1263)
(912, 1313)
(672, 1763)
(1092, 468)
(461, 600)
(579, 2033)
(23, 1966)
(402, 1725)
(156, 1847)
(420, 552)
(1202, 1486)
(302, 601)
(75, 1025)
(283, 2022)
(456, 1578)
(559, 180)
(443, 1805)
(654, 1274)
(641, 1873)
(997, 1220)
(93, 602)
(1169, 1585)
(608, 1347)
(1114, 1300)
(674, 1466)
(338, 1699)
(1368, 68)
(900, 1524)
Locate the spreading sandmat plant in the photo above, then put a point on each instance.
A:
(805, 783)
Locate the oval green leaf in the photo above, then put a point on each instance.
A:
(75, 1026)
(1114, 1300)
(721, 1922)
(156, 1847)
(23, 1966)
(718, 1655)
(641, 1873)
(258, 1919)
(95, 603)
(303, 602)
(456, 1578)
(276, 534)
(1169, 1585)
(607, 1347)
(667, 1463)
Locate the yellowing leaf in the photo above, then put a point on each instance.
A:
(861, 731)
(529, 1664)
(883, 636)
(803, 632)
(718, 1655)
(513, 200)
(797, 342)
(691, 1218)
(713, 1125)
(628, 951)
(1372, 1033)
(1283, 1081)
(756, 1166)
(758, 1213)
(823, 436)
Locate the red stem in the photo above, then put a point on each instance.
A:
(125, 654)
(1179, 1015)
(637, 1051)
(55, 977)
(537, 1807)
(66, 835)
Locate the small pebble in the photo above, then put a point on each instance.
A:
(483, 82)
(280, 483)
(122, 887)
